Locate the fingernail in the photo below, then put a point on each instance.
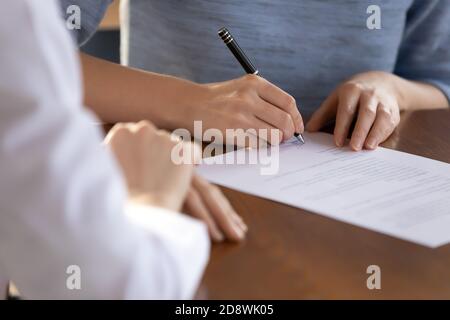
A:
(358, 145)
(239, 232)
(243, 228)
(302, 128)
(218, 236)
(339, 142)
(371, 143)
(240, 222)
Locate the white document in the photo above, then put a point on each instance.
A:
(388, 191)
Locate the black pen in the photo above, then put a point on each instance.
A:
(245, 62)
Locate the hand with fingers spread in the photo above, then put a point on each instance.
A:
(373, 99)
(206, 202)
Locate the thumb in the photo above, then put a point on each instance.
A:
(325, 113)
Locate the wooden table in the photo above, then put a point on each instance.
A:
(294, 254)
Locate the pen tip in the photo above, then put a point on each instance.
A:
(300, 138)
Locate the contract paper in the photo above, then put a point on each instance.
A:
(388, 191)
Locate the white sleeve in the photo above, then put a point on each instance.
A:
(62, 198)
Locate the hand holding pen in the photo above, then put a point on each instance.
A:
(245, 62)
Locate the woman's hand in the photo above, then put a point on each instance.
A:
(120, 94)
(244, 103)
(206, 202)
(373, 98)
(144, 154)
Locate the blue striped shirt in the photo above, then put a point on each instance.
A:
(307, 47)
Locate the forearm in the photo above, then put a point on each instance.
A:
(414, 95)
(120, 94)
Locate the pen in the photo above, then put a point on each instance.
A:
(245, 62)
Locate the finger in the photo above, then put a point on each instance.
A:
(257, 133)
(281, 99)
(196, 208)
(220, 209)
(191, 152)
(238, 219)
(117, 129)
(222, 215)
(382, 128)
(278, 118)
(267, 132)
(325, 113)
(201, 184)
(143, 125)
(347, 105)
(366, 116)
